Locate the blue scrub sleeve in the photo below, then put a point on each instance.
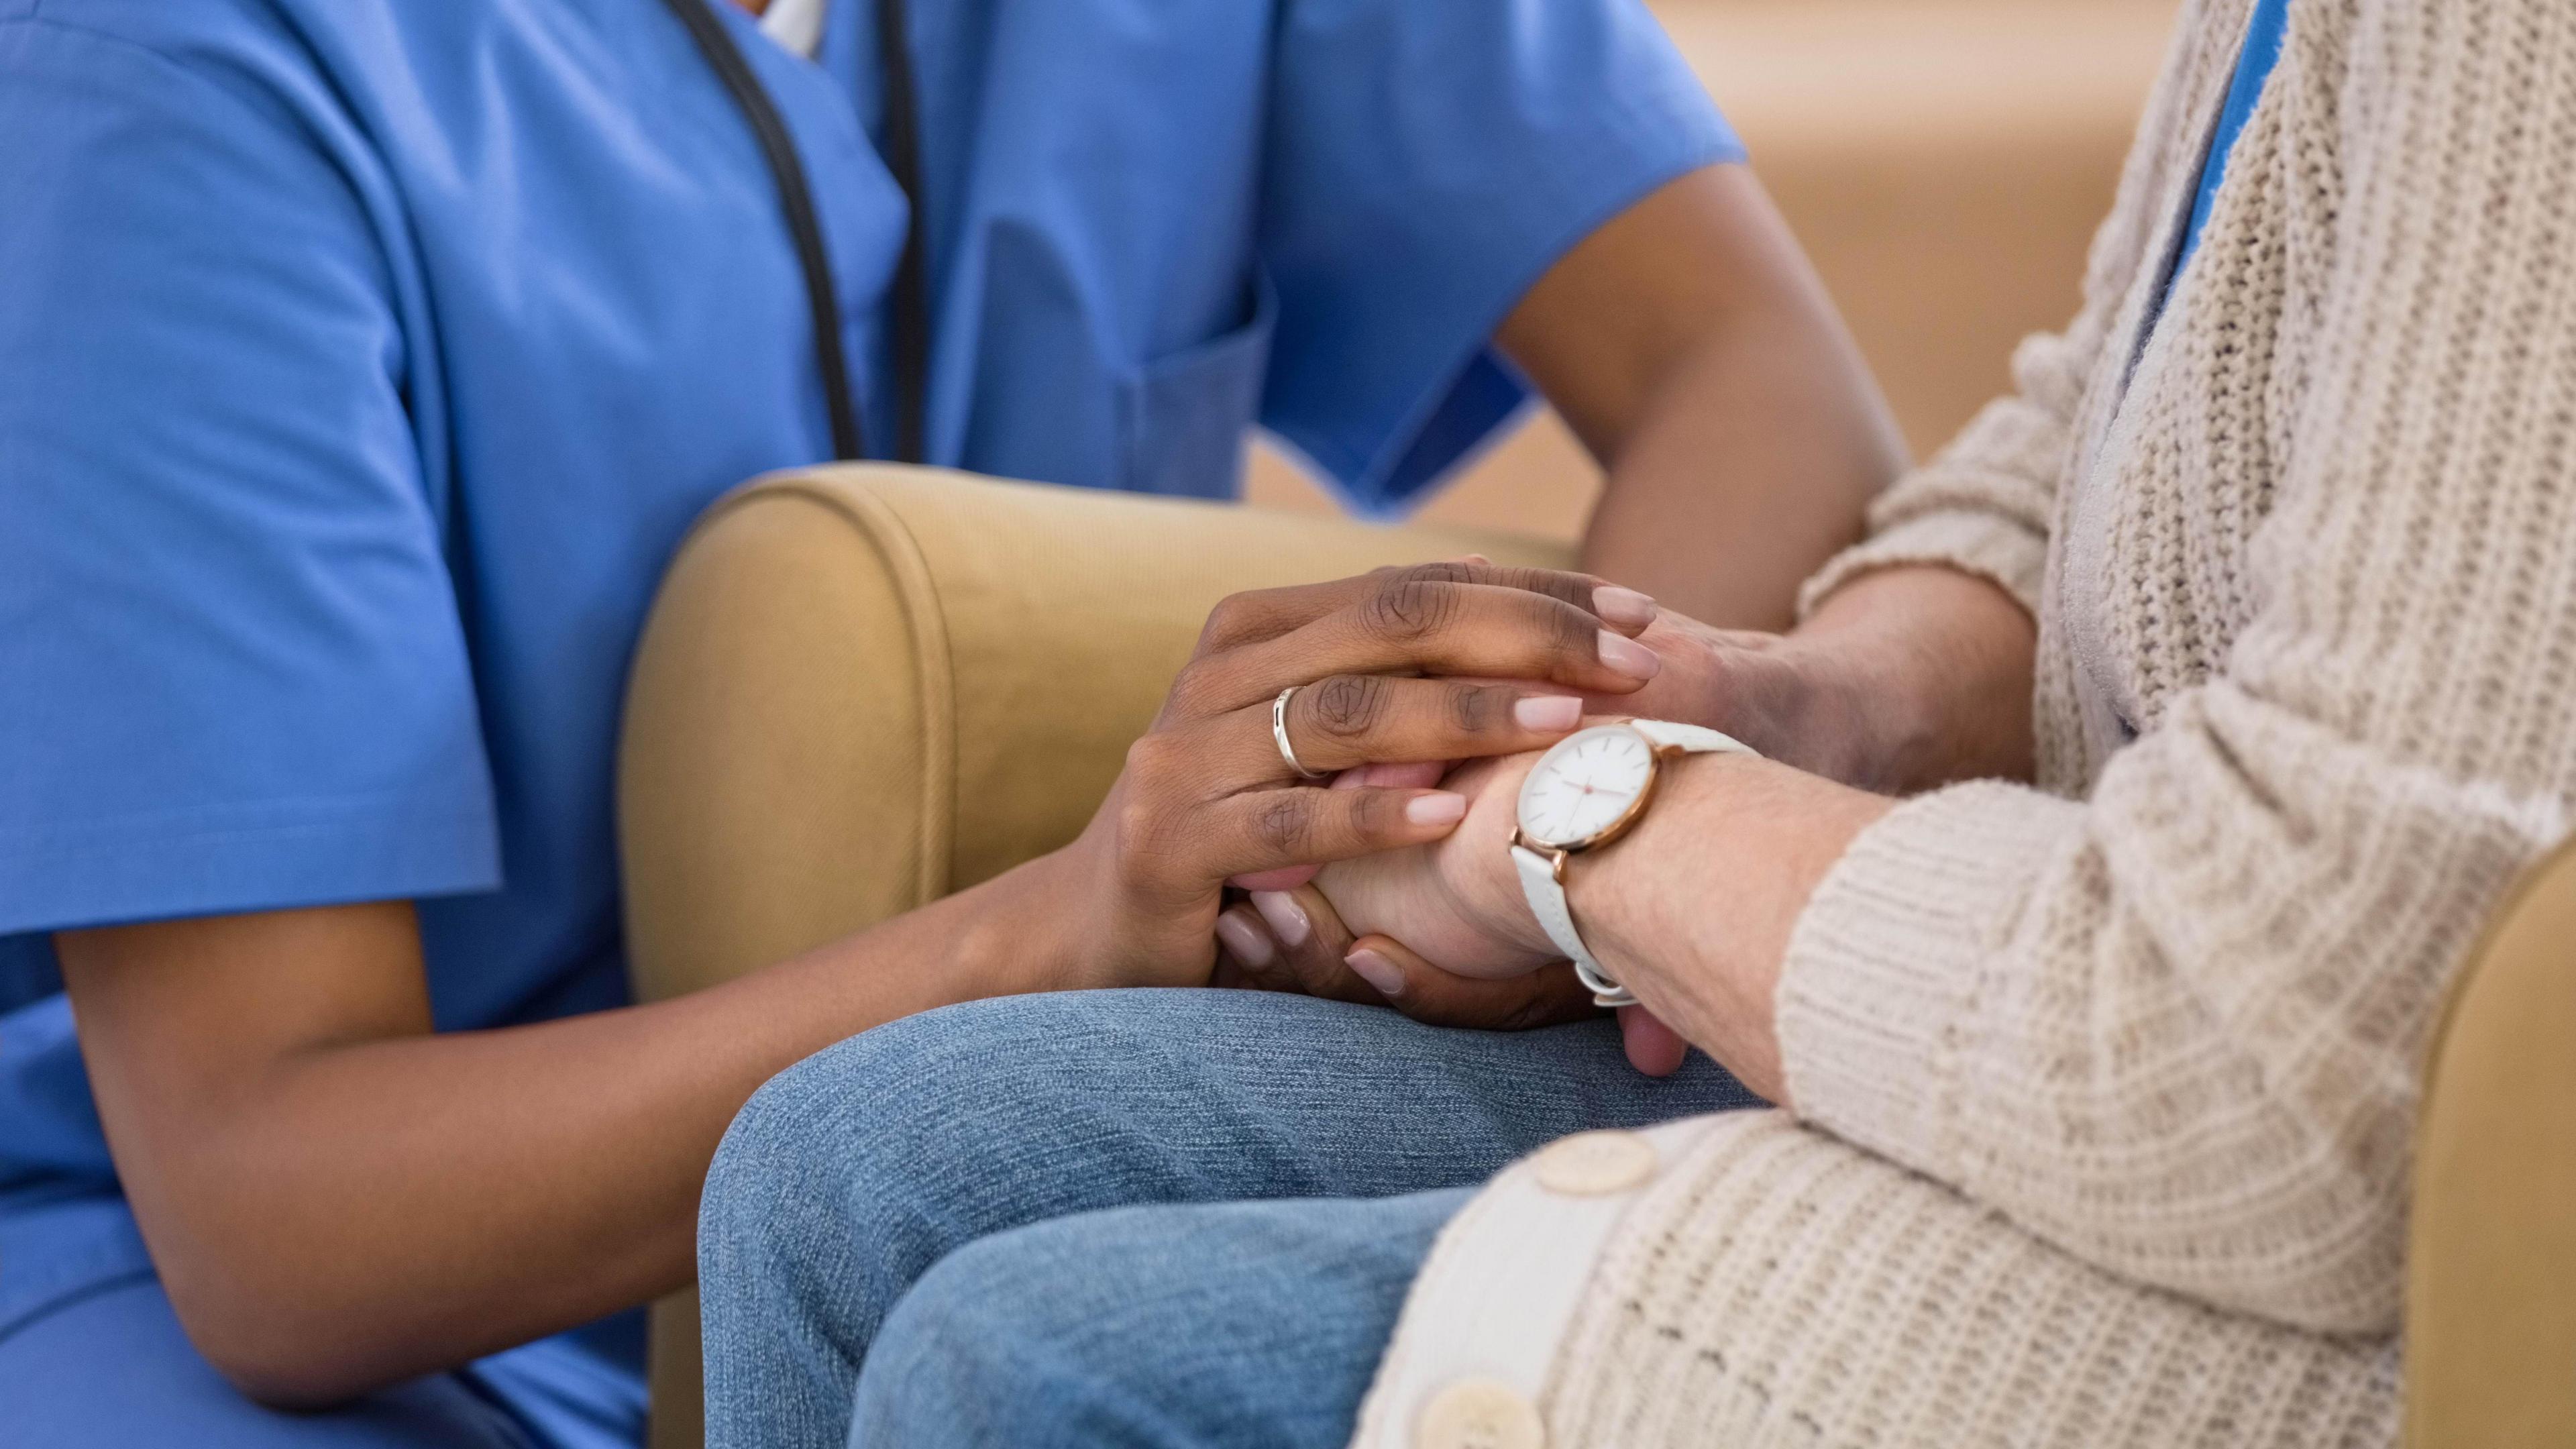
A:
(236, 675)
(1428, 161)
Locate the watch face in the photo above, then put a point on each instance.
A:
(1587, 786)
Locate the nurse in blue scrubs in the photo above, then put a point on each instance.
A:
(362, 364)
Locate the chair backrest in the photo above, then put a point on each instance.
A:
(2491, 1258)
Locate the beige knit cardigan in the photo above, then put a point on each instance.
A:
(2105, 1089)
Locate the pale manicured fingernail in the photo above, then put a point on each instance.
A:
(1624, 606)
(1440, 807)
(1285, 916)
(1246, 941)
(1377, 971)
(1548, 712)
(1627, 656)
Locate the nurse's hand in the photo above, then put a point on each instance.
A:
(1438, 662)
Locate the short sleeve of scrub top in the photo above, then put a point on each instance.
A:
(238, 674)
(1406, 171)
(1427, 162)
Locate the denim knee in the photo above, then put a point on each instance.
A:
(858, 1144)
(850, 1173)
(1256, 1324)
(839, 1183)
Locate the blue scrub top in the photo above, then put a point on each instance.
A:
(365, 362)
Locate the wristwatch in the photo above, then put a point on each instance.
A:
(1588, 791)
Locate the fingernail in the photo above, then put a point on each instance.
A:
(1439, 807)
(1246, 941)
(1628, 657)
(1285, 916)
(1377, 971)
(1624, 606)
(1548, 712)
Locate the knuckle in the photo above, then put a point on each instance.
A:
(1474, 709)
(1372, 812)
(1406, 609)
(1151, 756)
(1246, 614)
(1565, 588)
(1346, 705)
(1228, 619)
(1193, 689)
(1566, 628)
(1442, 571)
(1143, 834)
(1281, 824)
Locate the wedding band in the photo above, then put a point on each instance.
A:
(1279, 732)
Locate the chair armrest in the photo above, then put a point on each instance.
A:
(2491, 1252)
(863, 687)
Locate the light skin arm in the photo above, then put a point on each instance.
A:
(1693, 350)
(1905, 679)
(338, 1199)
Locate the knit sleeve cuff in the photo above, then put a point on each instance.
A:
(1879, 999)
(1971, 541)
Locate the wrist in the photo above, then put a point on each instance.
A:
(1488, 891)
(1921, 675)
(1029, 930)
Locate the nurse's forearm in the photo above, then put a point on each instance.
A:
(348, 1200)
(1692, 348)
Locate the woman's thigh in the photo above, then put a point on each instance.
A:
(1203, 1326)
(850, 1175)
(113, 1369)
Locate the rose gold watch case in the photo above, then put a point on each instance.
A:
(1657, 756)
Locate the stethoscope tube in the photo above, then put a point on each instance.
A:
(902, 156)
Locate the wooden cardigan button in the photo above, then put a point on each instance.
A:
(1479, 1414)
(1595, 1164)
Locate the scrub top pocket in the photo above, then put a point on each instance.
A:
(1183, 416)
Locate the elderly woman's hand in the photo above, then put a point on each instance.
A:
(1208, 796)
(1494, 970)
(1903, 680)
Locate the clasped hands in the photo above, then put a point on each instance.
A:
(1427, 692)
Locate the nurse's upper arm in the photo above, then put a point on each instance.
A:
(234, 647)
(1611, 319)
(1424, 165)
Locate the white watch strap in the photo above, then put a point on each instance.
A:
(1690, 739)
(1547, 898)
(1547, 902)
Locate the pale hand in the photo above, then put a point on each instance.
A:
(1454, 902)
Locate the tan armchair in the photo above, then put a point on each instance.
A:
(865, 687)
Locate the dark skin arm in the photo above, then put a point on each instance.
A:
(1691, 347)
(338, 1198)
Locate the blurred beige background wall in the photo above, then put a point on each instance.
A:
(1944, 161)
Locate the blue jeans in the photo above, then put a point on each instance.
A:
(1153, 1218)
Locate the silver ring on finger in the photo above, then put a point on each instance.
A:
(1279, 732)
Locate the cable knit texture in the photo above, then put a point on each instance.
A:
(2108, 1087)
